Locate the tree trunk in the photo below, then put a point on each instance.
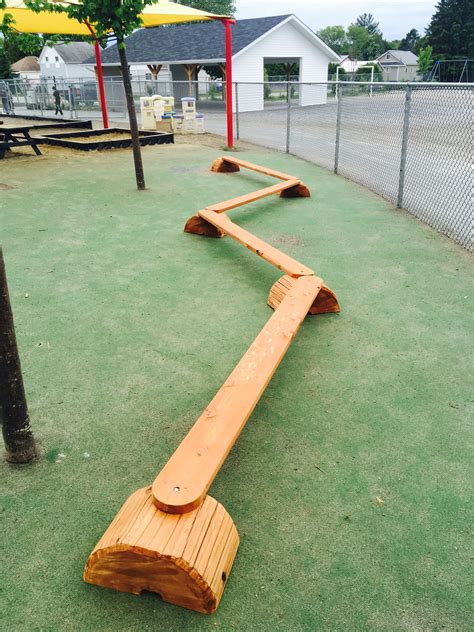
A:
(19, 442)
(127, 84)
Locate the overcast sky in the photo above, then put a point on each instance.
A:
(396, 17)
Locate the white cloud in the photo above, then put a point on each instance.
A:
(396, 17)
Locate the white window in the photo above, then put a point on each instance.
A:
(47, 59)
(388, 55)
(56, 58)
(148, 76)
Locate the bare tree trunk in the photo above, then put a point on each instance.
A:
(19, 442)
(127, 84)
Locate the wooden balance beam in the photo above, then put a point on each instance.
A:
(289, 187)
(274, 256)
(172, 538)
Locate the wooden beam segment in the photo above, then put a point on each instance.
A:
(182, 484)
(274, 256)
(249, 165)
(252, 197)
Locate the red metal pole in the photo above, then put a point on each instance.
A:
(100, 81)
(228, 81)
(100, 78)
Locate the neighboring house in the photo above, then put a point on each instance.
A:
(351, 65)
(66, 61)
(348, 64)
(186, 48)
(398, 65)
(26, 68)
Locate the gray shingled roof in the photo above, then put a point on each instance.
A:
(188, 42)
(75, 52)
(405, 56)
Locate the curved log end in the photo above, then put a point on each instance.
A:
(221, 165)
(300, 190)
(325, 302)
(186, 559)
(198, 226)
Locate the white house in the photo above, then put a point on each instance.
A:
(351, 65)
(186, 48)
(398, 65)
(66, 61)
(348, 64)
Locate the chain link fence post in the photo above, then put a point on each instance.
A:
(403, 156)
(288, 116)
(338, 126)
(237, 126)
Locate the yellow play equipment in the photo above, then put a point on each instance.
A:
(189, 122)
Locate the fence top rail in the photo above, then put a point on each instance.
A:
(413, 84)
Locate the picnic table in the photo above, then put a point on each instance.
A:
(16, 137)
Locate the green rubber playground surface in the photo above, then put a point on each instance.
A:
(350, 483)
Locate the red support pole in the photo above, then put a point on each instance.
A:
(100, 78)
(228, 81)
(100, 81)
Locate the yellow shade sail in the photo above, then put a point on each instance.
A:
(27, 21)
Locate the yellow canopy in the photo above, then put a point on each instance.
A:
(156, 14)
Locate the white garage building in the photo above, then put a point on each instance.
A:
(186, 48)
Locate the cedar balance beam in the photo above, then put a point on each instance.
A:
(183, 483)
(258, 246)
(208, 223)
(172, 538)
(227, 164)
(253, 197)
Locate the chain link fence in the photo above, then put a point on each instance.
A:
(410, 143)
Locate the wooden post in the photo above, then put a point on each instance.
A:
(190, 70)
(155, 70)
(289, 70)
(19, 442)
(228, 81)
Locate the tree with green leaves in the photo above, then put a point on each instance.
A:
(335, 37)
(425, 59)
(364, 45)
(5, 66)
(121, 18)
(420, 43)
(410, 40)
(451, 30)
(219, 7)
(367, 21)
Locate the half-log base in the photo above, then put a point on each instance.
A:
(222, 166)
(300, 190)
(325, 302)
(186, 558)
(198, 226)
